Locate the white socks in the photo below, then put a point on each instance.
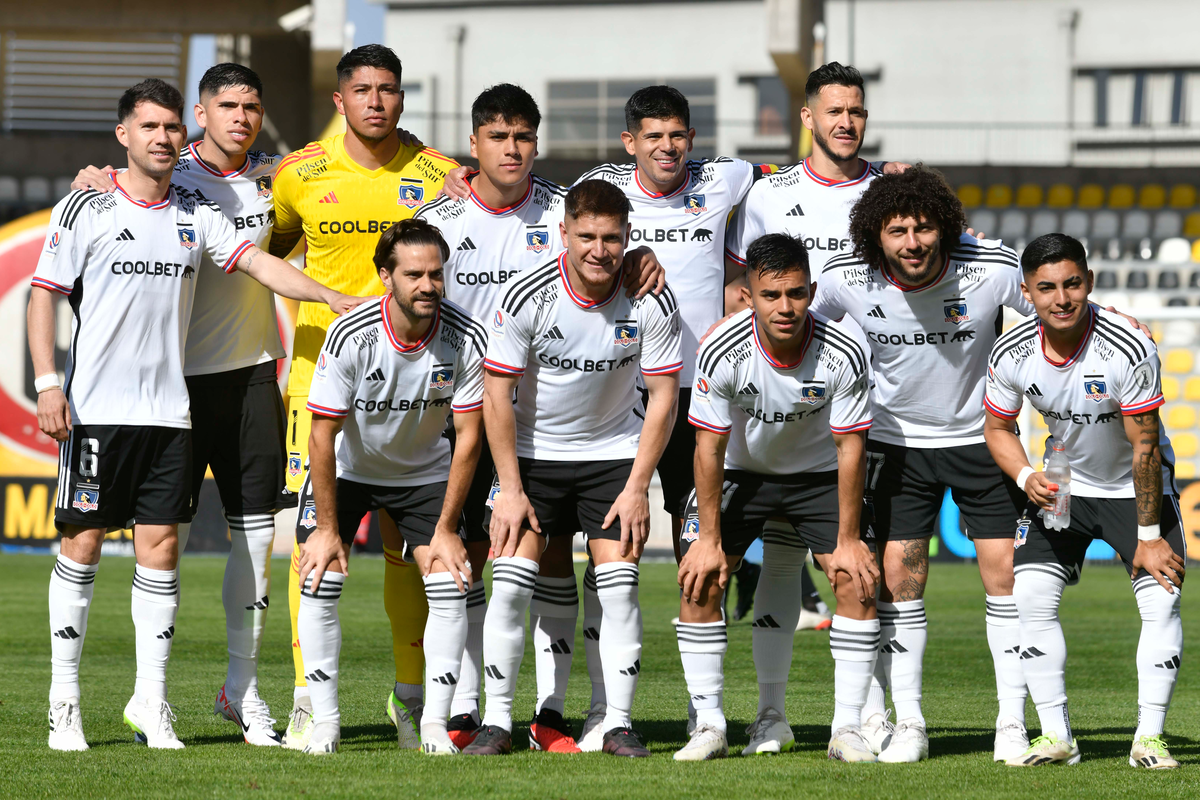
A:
(244, 594)
(854, 644)
(621, 646)
(592, 621)
(1004, 639)
(71, 586)
(470, 673)
(445, 637)
(321, 642)
(903, 632)
(552, 615)
(702, 647)
(776, 612)
(504, 635)
(154, 604)
(1158, 653)
(1038, 591)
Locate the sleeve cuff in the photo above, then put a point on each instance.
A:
(326, 412)
(231, 264)
(669, 369)
(42, 283)
(858, 426)
(699, 423)
(732, 256)
(1143, 407)
(496, 366)
(998, 411)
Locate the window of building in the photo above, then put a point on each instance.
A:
(771, 106)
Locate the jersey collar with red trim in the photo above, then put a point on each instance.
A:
(762, 348)
(157, 204)
(1071, 359)
(579, 300)
(637, 178)
(497, 212)
(194, 149)
(821, 179)
(931, 282)
(400, 346)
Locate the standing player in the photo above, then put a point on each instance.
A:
(386, 380)
(1097, 385)
(127, 263)
(509, 222)
(772, 384)
(573, 451)
(339, 195)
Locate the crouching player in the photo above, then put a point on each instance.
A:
(386, 379)
(1096, 383)
(773, 383)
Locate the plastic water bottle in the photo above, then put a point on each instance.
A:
(1058, 473)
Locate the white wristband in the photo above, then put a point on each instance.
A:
(45, 382)
(1148, 533)
(1023, 476)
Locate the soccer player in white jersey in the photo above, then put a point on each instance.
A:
(573, 452)
(1096, 383)
(387, 378)
(127, 263)
(781, 406)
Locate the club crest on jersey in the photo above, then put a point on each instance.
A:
(812, 394)
(295, 465)
(625, 334)
(691, 529)
(187, 238)
(263, 185)
(442, 378)
(493, 493)
(52, 242)
(87, 497)
(694, 204)
(956, 311)
(309, 518)
(411, 193)
(537, 241)
(1095, 387)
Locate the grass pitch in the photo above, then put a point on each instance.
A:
(1100, 618)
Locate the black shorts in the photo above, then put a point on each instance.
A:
(474, 509)
(808, 501)
(1113, 520)
(238, 428)
(675, 466)
(906, 487)
(570, 496)
(415, 510)
(113, 476)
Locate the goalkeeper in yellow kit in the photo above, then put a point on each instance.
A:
(340, 194)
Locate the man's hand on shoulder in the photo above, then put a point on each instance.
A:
(99, 179)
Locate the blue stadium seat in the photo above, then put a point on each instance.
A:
(984, 220)
(10, 191)
(1167, 224)
(1013, 226)
(1043, 222)
(35, 191)
(1076, 223)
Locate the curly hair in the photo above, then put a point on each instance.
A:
(917, 192)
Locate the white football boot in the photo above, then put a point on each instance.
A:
(591, 739)
(849, 745)
(300, 725)
(1011, 739)
(326, 738)
(66, 726)
(435, 741)
(251, 715)
(706, 744)
(1151, 752)
(407, 722)
(910, 744)
(770, 733)
(1048, 749)
(813, 621)
(878, 730)
(151, 724)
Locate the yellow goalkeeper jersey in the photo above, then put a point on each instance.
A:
(342, 207)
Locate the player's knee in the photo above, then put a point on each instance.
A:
(1156, 604)
(1037, 595)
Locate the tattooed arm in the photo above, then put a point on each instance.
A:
(1153, 554)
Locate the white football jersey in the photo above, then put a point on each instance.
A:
(929, 344)
(396, 398)
(488, 246)
(799, 202)
(233, 317)
(129, 271)
(780, 417)
(686, 230)
(1113, 373)
(578, 398)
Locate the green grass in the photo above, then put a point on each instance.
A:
(1100, 618)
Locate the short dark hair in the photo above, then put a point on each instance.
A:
(151, 90)
(369, 55)
(407, 232)
(656, 102)
(777, 254)
(220, 77)
(917, 192)
(1051, 249)
(832, 74)
(506, 102)
(596, 198)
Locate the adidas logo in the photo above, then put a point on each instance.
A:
(893, 647)
(560, 647)
(553, 333)
(1170, 663)
(877, 313)
(316, 676)
(1013, 651)
(167, 634)
(591, 633)
(467, 244)
(259, 605)
(494, 673)
(67, 633)
(446, 680)
(796, 211)
(1033, 391)
(634, 670)
(765, 621)
(329, 198)
(125, 236)
(377, 375)
(1032, 652)
(749, 388)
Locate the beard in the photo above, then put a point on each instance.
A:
(823, 143)
(409, 307)
(933, 262)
